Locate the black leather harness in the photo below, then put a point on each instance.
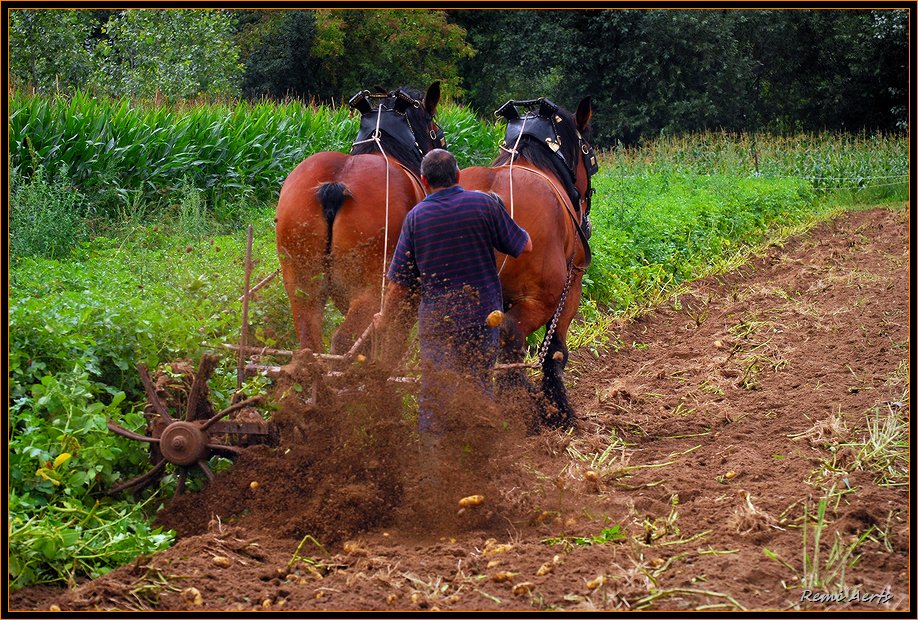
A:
(393, 121)
(540, 122)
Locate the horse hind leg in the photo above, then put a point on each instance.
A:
(307, 302)
(562, 414)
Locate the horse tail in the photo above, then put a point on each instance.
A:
(331, 196)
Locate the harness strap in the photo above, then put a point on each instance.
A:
(513, 153)
(413, 176)
(375, 137)
(566, 201)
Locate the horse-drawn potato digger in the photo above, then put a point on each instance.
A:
(324, 221)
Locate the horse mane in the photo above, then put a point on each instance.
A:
(406, 154)
(542, 157)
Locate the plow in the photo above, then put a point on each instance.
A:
(184, 430)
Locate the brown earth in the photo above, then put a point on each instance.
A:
(713, 427)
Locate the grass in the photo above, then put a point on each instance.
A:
(822, 567)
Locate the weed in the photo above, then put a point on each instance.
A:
(821, 570)
(46, 216)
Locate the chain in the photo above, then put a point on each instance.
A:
(543, 350)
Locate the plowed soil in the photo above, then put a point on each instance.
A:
(742, 446)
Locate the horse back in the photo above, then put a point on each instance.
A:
(535, 204)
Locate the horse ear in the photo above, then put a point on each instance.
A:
(584, 112)
(432, 98)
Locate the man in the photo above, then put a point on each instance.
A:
(444, 264)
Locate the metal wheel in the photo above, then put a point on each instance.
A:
(189, 442)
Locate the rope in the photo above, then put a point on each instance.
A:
(375, 138)
(513, 153)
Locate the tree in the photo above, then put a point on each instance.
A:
(276, 49)
(177, 53)
(357, 49)
(48, 48)
(519, 54)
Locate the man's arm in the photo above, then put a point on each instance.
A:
(528, 246)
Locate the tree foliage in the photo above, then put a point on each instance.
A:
(177, 53)
(276, 47)
(49, 49)
(359, 49)
(650, 72)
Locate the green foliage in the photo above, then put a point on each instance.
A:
(473, 141)
(651, 72)
(177, 54)
(122, 153)
(607, 535)
(47, 218)
(359, 48)
(276, 49)
(60, 456)
(662, 72)
(77, 331)
(48, 49)
(60, 542)
(655, 231)
(119, 152)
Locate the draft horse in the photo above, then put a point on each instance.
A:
(542, 174)
(339, 215)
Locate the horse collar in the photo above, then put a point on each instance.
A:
(393, 121)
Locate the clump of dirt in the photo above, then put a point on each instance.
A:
(349, 460)
(714, 430)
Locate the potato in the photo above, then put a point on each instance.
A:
(471, 500)
(495, 318)
(523, 588)
(595, 583)
(545, 569)
(193, 596)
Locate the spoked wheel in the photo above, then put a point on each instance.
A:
(189, 442)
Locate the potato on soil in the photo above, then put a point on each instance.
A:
(545, 569)
(471, 500)
(595, 583)
(193, 596)
(523, 588)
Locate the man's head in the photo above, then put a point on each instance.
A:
(439, 169)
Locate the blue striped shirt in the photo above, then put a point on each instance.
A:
(446, 253)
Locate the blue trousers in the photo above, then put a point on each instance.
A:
(455, 374)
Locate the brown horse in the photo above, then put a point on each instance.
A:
(339, 215)
(543, 177)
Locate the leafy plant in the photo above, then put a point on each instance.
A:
(47, 216)
(607, 535)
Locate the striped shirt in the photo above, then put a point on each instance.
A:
(446, 253)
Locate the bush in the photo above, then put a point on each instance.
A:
(46, 216)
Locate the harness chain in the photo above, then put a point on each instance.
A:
(550, 332)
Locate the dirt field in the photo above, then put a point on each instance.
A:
(714, 429)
